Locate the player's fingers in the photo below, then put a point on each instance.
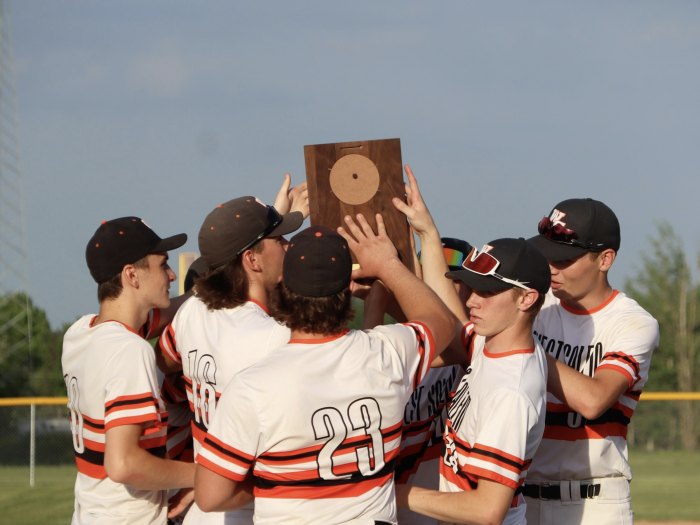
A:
(366, 228)
(413, 185)
(346, 235)
(281, 203)
(286, 183)
(402, 207)
(381, 227)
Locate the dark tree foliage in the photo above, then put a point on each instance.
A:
(664, 287)
(30, 351)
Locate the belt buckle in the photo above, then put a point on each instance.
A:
(590, 491)
(539, 490)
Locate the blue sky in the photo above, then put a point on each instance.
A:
(162, 109)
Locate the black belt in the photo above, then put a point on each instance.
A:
(381, 522)
(551, 491)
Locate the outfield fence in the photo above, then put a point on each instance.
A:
(36, 430)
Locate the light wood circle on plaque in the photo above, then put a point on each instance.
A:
(354, 179)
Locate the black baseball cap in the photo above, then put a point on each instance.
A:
(235, 226)
(318, 263)
(503, 264)
(123, 241)
(577, 226)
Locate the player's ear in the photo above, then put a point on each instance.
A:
(251, 261)
(606, 258)
(130, 276)
(527, 299)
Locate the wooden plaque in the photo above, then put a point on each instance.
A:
(347, 178)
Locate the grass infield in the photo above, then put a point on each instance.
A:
(664, 489)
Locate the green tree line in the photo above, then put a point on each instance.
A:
(663, 285)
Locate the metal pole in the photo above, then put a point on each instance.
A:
(32, 444)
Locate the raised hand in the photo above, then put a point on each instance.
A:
(292, 198)
(372, 250)
(415, 211)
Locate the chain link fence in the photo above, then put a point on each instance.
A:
(36, 431)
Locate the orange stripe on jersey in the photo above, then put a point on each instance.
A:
(617, 368)
(94, 425)
(425, 342)
(388, 434)
(491, 476)
(498, 458)
(135, 420)
(94, 445)
(587, 432)
(320, 340)
(128, 402)
(285, 456)
(209, 465)
(320, 491)
(461, 479)
(198, 434)
(300, 475)
(633, 394)
(152, 443)
(167, 344)
(224, 451)
(90, 469)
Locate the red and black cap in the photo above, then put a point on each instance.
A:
(318, 263)
(577, 226)
(123, 241)
(235, 226)
(503, 264)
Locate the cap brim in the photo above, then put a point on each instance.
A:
(556, 251)
(480, 283)
(290, 223)
(170, 243)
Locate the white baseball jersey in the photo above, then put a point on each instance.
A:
(213, 346)
(421, 445)
(110, 375)
(619, 335)
(174, 395)
(323, 423)
(495, 421)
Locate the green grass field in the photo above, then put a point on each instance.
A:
(664, 488)
(665, 485)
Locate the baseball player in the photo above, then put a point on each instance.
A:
(599, 345)
(174, 393)
(323, 414)
(225, 326)
(496, 415)
(426, 410)
(118, 420)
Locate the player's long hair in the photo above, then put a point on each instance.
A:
(225, 287)
(318, 315)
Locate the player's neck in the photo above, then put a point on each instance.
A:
(515, 337)
(258, 293)
(123, 311)
(591, 300)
